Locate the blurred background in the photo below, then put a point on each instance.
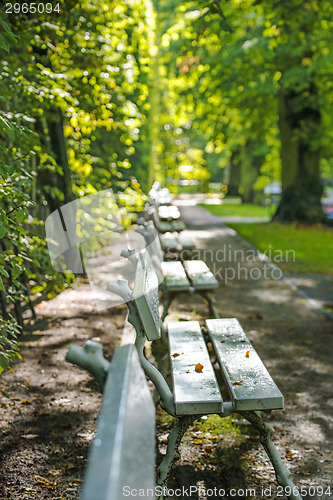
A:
(227, 104)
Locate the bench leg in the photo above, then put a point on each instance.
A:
(266, 431)
(211, 305)
(172, 454)
(166, 304)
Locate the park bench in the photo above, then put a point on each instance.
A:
(166, 218)
(168, 212)
(159, 196)
(196, 391)
(122, 456)
(177, 277)
(179, 244)
(164, 226)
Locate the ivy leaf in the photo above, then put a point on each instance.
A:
(4, 272)
(3, 43)
(3, 230)
(6, 125)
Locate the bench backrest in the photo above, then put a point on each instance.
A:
(153, 243)
(153, 216)
(122, 457)
(153, 246)
(145, 296)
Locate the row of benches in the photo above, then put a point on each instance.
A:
(126, 422)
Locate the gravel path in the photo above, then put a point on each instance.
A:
(47, 424)
(295, 342)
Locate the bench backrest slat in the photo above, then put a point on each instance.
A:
(122, 456)
(146, 296)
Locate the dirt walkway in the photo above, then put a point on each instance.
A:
(295, 343)
(47, 424)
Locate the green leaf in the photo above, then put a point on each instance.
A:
(8, 126)
(3, 230)
(4, 272)
(4, 44)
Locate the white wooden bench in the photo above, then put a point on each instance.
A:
(176, 276)
(122, 456)
(164, 226)
(179, 244)
(197, 392)
(168, 212)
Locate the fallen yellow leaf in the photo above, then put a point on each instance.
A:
(45, 482)
(198, 367)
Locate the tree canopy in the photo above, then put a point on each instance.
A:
(119, 94)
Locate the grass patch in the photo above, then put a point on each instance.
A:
(240, 210)
(312, 246)
(213, 426)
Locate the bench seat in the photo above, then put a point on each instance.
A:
(197, 392)
(171, 226)
(200, 275)
(180, 276)
(168, 212)
(171, 243)
(175, 278)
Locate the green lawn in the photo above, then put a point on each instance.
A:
(240, 210)
(312, 246)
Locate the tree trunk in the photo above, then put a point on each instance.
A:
(234, 174)
(250, 170)
(300, 123)
(55, 125)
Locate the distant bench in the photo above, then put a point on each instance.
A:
(196, 391)
(177, 276)
(165, 226)
(122, 456)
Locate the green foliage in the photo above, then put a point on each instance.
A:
(9, 346)
(73, 121)
(117, 95)
(230, 66)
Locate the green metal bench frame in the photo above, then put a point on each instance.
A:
(256, 391)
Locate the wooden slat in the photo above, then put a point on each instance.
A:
(250, 385)
(170, 227)
(168, 212)
(123, 452)
(178, 225)
(175, 276)
(194, 392)
(168, 242)
(200, 274)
